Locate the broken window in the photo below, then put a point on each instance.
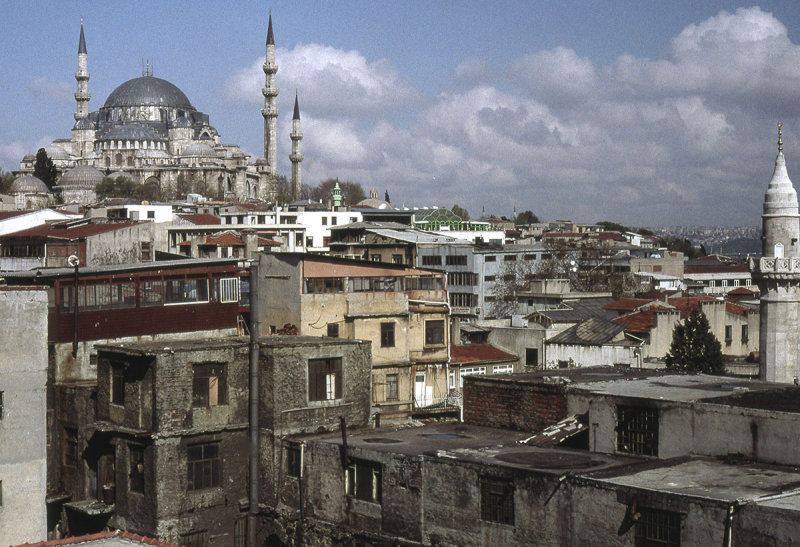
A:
(497, 500)
(637, 430)
(209, 387)
(387, 335)
(324, 379)
(117, 384)
(136, 462)
(203, 466)
(391, 387)
(195, 539)
(656, 527)
(363, 480)
(293, 460)
(434, 332)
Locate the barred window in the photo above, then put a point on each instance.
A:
(637, 430)
(229, 289)
(497, 500)
(654, 527)
(455, 260)
(203, 466)
(431, 260)
(151, 292)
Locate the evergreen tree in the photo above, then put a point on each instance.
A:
(386, 196)
(460, 211)
(44, 169)
(694, 347)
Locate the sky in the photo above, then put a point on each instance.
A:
(645, 113)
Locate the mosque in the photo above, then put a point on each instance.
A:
(149, 131)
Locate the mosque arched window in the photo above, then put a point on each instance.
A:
(118, 159)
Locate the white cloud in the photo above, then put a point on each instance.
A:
(57, 92)
(11, 153)
(330, 81)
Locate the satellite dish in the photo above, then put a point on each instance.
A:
(73, 261)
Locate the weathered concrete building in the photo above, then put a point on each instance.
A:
(403, 311)
(23, 425)
(167, 455)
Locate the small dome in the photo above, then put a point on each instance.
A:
(199, 149)
(28, 184)
(56, 152)
(131, 131)
(85, 123)
(374, 203)
(81, 176)
(29, 157)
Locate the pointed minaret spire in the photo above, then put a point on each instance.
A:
(270, 110)
(296, 156)
(780, 138)
(82, 41)
(270, 36)
(82, 95)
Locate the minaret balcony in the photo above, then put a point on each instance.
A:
(295, 136)
(269, 91)
(267, 112)
(270, 68)
(82, 96)
(81, 76)
(295, 158)
(770, 265)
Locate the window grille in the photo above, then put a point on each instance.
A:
(658, 528)
(497, 500)
(637, 430)
(229, 289)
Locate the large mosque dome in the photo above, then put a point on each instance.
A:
(148, 91)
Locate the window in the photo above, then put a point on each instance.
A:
(510, 277)
(510, 258)
(184, 291)
(147, 251)
(195, 539)
(123, 295)
(209, 386)
(434, 332)
(151, 214)
(503, 369)
(324, 379)
(94, 297)
(71, 448)
(637, 430)
(387, 335)
(497, 500)
(431, 260)
(397, 259)
(324, 221)
(333, 330)
(203, 465)
(470, 371)
(375, 258)
(531, 356)
(293, 462)
(334, 221)
(136, 473)
(391, 387)
(745, 338)
(455, 260)
(488, 278)
(363, 480)
(118, 384)
(658, 528)
(529, 257)
(229, 289)
(151, 293)
(728, 334)
(490, 258)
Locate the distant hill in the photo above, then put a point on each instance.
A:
(738, 241)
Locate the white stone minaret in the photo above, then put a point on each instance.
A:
(777, 274)
(82, 96)
(296, 156)
(270, 110)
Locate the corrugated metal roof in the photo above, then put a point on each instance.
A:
(592, 332)
(577, 310)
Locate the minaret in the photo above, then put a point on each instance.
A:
(270, 110)
(296, 156)
(82, 96)
(777, 274)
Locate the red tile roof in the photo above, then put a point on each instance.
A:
(69, 229)
(741, 291)
(627, 304)
(224, 239)
(686, 304)
(639, 322)
(144, 540)
(477, 353)
(616, 236)
(201, 218)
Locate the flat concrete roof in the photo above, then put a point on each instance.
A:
(713, 479)
(273, 341)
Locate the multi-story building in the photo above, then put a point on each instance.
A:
(403, 311)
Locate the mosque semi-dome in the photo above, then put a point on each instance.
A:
(199, 149)
(28, 184)
(82, 176)
(148, 91)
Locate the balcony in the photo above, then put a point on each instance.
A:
(770, 265)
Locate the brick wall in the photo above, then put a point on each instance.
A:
(520, 405)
